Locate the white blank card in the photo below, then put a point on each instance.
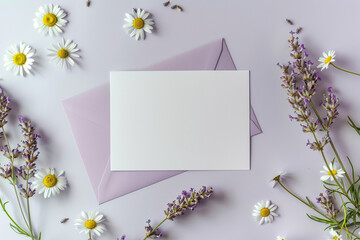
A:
(179, 120)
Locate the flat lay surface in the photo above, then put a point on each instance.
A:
(256, 34)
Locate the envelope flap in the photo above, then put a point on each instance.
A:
(225, 62)
(89, 103)
(130, 181)
(202, 58)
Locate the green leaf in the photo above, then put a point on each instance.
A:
(317, 219)
(352, 169)
(352, 124)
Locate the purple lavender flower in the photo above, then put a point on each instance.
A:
(6, 172)
(301, 80)
(29, 144)
(326, 202)
(330, 104)
(185, 201)
(150, 232)
(26, 192)
(4, 107)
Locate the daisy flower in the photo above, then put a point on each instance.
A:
(90, 223)
(138, 24)
(280, 177)
(326, 60)
(280, 238)
(337, 172)
(50, 19)
(48, 182)
(19, 59)
(334, 235)
(64, 53)
(264, 212)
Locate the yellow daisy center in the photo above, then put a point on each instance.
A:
(19, 59)
(265, 212)
(335, 238)
(333, 171)
(138, 23)
(50, 20)
(90, 224)
(50, 180)
(63, 53)
(328, 59)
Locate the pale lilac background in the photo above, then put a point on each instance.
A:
(256, 33)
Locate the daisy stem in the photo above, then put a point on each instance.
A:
(301, 200)
(89, 235)
(149, 234)
(328, 167)
(13, 182)
(358, 74)
(333, 176)
(331, 142)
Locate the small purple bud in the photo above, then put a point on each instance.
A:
(292, 32)
(310, 63)
(123, 237)
(302, 46)
(330, 89)
(148, 221)
(306, 54)
(21, 119)
(306, 100)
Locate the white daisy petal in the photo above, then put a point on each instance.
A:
(264, 212)
(63, 53)
(90, 223)
(329, 172)
(326, 60)
(48, 182)
(18, 59)
(138, 29)
(49, 20)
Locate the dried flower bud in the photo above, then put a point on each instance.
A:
(289, 21)
(64, 220)
(166, 3)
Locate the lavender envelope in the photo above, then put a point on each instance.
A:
(89, 117)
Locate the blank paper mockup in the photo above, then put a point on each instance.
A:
(179, 120)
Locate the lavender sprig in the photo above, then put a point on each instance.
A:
(326, 202)
(187, 200)
(28, 150)
(4, 108)
(151, 232)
